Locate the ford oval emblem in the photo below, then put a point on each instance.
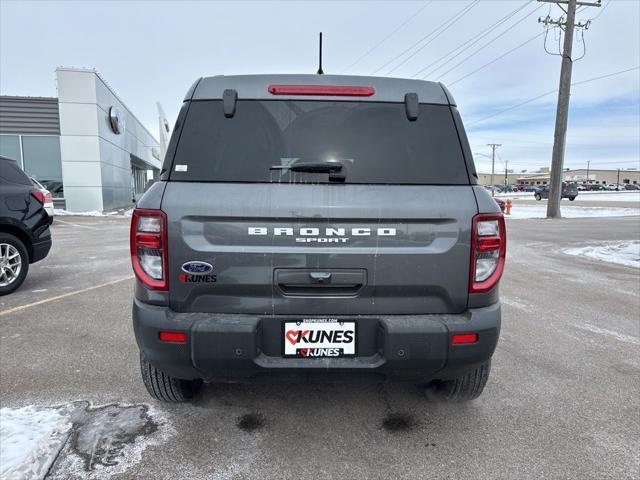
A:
(197, 268)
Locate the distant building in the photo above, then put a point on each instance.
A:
(596, 177)
(498, 178)
(84, 145)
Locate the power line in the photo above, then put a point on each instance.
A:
(496, 59)
(471, 41)
(601, 11)
(551, 92)
(420, 41)
(490, 41)
(396, 30)
(462, 14)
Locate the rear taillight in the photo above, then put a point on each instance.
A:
(488, 249)
(38, 195)
(149, 248)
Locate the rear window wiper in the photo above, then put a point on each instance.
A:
(311, 167)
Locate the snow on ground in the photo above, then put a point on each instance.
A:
(621, 337)
(602, 196)
(622, 253)
(540, 211)
(77, 440)
(30, 439)
(93, 213)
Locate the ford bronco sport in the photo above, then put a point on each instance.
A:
(317, 227)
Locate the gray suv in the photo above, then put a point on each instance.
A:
(317, 227)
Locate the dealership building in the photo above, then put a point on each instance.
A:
(84, 145)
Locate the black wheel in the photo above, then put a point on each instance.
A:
(538, 196)
(464, 388)
(571, 199)
(164, 387)
(14, 263)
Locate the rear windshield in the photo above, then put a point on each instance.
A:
(374, 143)
(10, 172)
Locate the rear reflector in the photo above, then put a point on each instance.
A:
(462, 338)
(321, 90)
(173, 337)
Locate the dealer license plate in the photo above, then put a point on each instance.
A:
(319, 337)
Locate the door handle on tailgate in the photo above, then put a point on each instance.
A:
(308, 282)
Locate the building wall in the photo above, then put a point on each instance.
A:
(29, 115)
(96, 162)
(498, 178)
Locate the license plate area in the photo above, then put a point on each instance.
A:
(319, 338)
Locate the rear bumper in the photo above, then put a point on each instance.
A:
(235, 348)
(41, 250)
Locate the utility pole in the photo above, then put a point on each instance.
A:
(618, 182)
(493, 163)
(564, 92)
(506, 166)
(588, 163)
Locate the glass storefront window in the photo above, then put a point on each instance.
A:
(41, 160)
(10, 147)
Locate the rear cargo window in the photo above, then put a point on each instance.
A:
(374, 143)
(10, 172)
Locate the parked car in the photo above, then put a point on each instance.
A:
(595, 187)
(613, 187)
(531, 188)
(631, 186)
(48, 200)
(581, 187)
(569, 190)
(292, 243)
(25, 237)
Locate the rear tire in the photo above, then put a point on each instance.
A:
(571, 199)
(538, 196)
(12, 244)
(466, 387)
(164, 387)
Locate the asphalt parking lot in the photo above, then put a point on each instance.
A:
(562, 400)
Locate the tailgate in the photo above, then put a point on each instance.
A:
(319, 249)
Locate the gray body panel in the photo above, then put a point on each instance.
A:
(423, 268)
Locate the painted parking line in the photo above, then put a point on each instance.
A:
(65, 295)
(75, 224)
(621, 337)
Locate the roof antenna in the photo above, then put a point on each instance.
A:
(320, 72)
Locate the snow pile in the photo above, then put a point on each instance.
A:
(94, 213)
(30, 439)
(77, 440)
(623, 253)
(604, 196)
(519, 211)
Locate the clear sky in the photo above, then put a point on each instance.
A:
(154, 50)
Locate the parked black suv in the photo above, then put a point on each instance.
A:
(569, 190)
(317, 227)
(24, 225)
